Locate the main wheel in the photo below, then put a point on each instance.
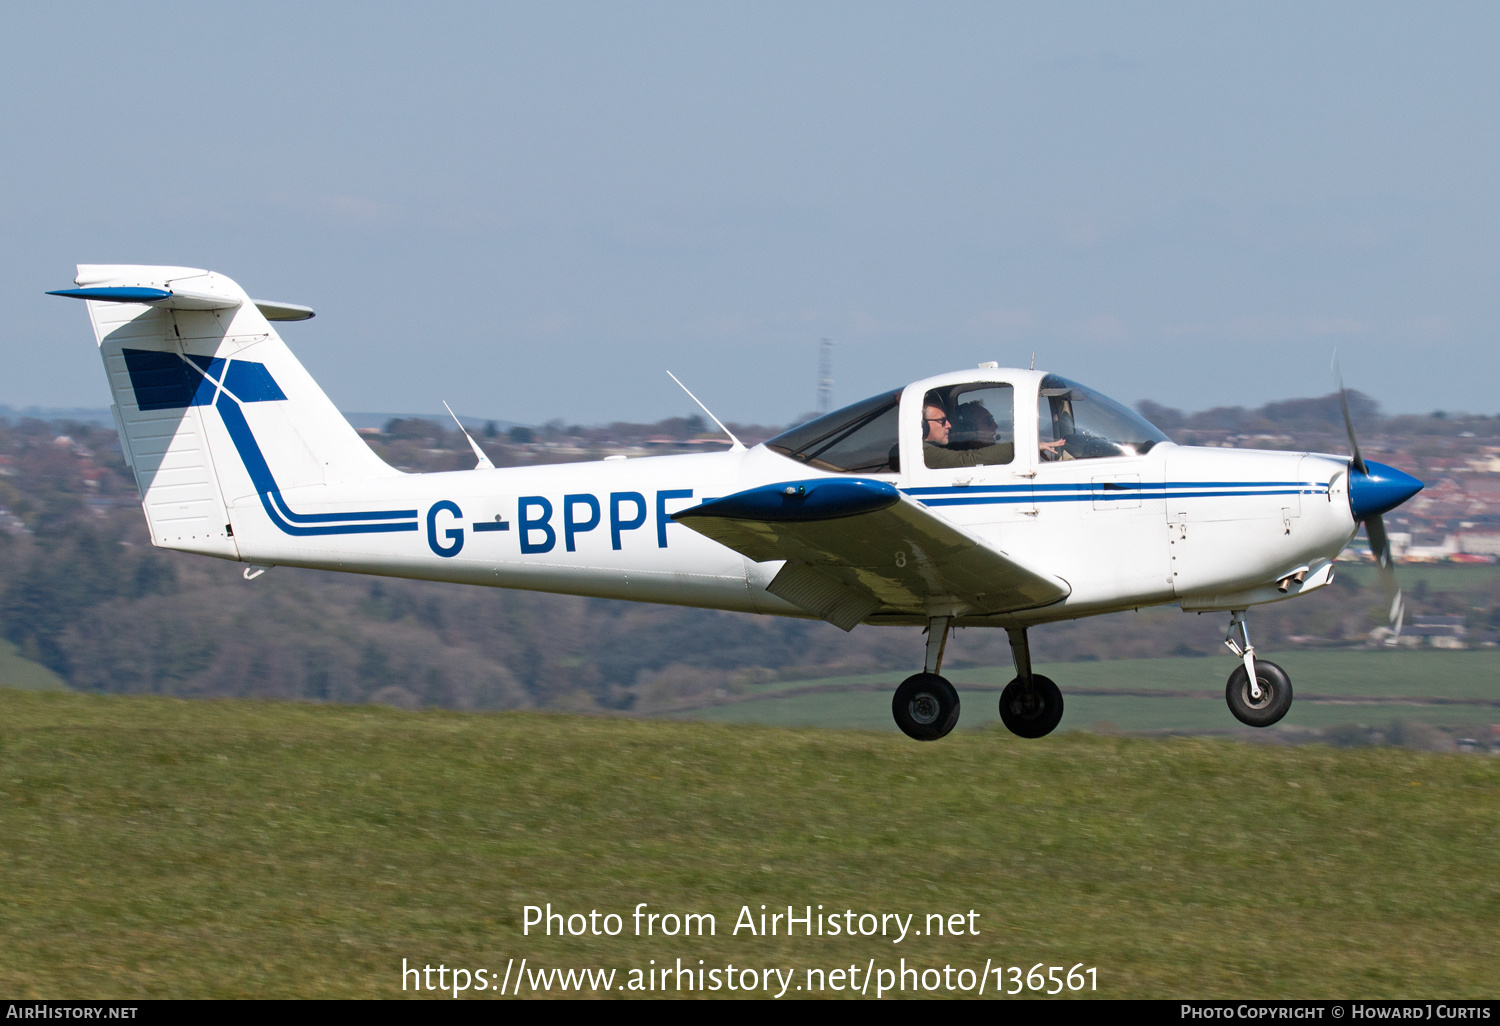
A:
(925, 707)
(1275, 694)
(1033, 714)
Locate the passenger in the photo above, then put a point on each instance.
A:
(937, 429)
(973, 427)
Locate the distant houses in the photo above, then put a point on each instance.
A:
(1460, 547)
(1436, 631)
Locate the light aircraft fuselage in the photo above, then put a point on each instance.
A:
(988, 497)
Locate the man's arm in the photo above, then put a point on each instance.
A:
(938, 456)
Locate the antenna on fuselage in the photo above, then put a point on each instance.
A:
(738, 445)
(825, 375)
(484, 461)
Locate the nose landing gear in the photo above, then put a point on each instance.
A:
(1259, 692)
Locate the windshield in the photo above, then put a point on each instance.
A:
(859, 439)
(1077, 423)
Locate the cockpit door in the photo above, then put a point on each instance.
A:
(961, 455)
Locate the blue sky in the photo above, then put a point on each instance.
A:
(532, 210)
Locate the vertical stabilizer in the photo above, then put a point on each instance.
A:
(208, 399)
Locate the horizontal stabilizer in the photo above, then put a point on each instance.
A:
(166, 288)
(167, 299)
(282, 311)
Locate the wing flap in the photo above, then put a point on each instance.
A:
(855, 546)
(823, 595)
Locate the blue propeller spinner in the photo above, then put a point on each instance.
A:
(1378, 488)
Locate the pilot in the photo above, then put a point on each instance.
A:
(938, 449)
(1062, 421)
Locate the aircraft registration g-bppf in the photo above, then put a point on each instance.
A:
(993, 497)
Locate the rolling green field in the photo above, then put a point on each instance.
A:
(1332, 687)
(152, 847)
(1436, 576)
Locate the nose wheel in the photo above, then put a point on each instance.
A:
(1273, 700)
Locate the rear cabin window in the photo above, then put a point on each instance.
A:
(859, 439)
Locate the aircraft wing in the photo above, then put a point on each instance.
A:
(854, 546)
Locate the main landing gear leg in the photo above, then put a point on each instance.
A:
(937, 643)
(1259, 692)
(926, 705)
(1031, 705)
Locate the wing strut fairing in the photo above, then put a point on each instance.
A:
(855, 546)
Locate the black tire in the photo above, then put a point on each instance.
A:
(1275, 694)
(1033, 715)
(925, 707)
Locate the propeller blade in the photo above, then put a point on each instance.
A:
(1380, 542)
(1383, 491)
(1380, 545)
(1358, 460)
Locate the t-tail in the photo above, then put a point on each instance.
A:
(208, 400)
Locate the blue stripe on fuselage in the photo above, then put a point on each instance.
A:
(1108, 491)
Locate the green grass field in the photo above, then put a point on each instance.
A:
(1326, 685)
(151, 847)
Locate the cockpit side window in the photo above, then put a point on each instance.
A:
(969, 426)
(1077, 423)
(859, 439)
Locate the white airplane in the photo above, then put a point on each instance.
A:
(994, 497)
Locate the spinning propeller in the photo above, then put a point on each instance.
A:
(1375, 488)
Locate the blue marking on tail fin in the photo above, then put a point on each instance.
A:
(165, 381)
(252, 383)
(162, 381)
(244, 442)
(270, 495)
(212, 366)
